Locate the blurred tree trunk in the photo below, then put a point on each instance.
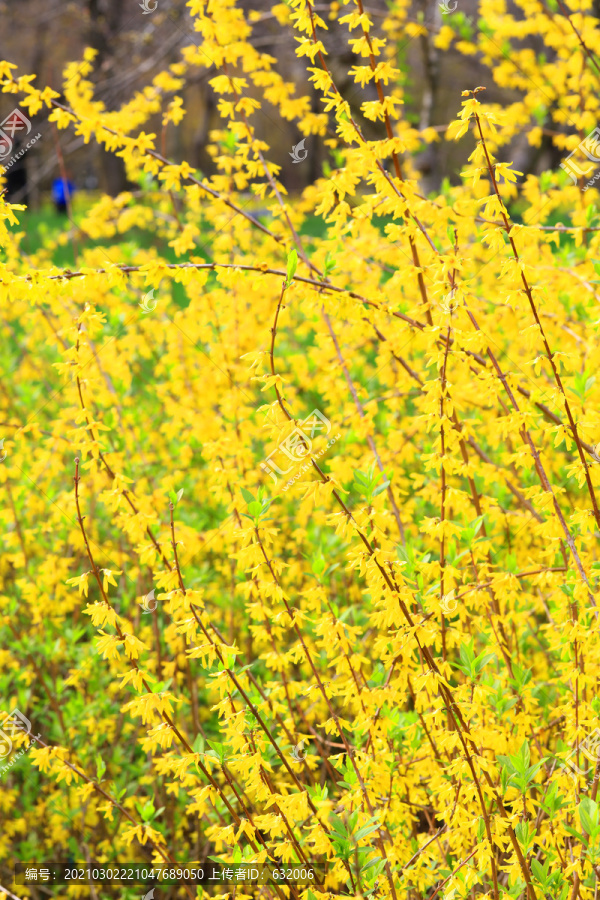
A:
(105, 19)
(207, 119)
(428, 162)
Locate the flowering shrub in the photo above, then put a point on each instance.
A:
(300, 509)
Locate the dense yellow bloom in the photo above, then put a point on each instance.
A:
(327, 478)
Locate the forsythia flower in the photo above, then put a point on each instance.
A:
(331, 459)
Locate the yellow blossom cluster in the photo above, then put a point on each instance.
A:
(300, 508)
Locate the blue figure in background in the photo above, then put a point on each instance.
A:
(62, 191)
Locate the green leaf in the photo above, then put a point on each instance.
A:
(146, 810)
(538, 871)
(382, 487)
(576, 834)
(219, 750)
(100, 768)
(338, 826)
(292, 265)
(588, 815)
(482, 661)
(364, 831)
(329, 264)
(318, 565)
(467, 654)
(248, 497)
(157, 687)
(377, 860)
(481, 830)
